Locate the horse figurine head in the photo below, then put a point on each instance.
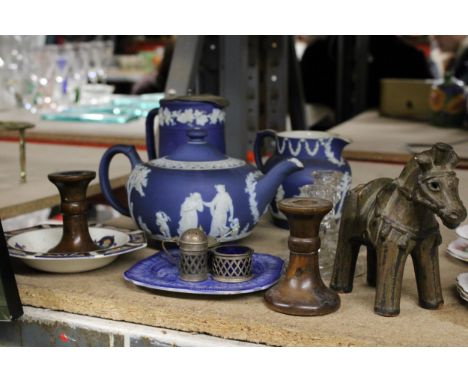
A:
(436, 185)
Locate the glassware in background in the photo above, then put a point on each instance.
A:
(97, 72)
(49, 78)
(10, 60)
(14, 51)
(326, 187)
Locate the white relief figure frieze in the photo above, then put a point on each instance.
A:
(161, 221)
(189, 212)
(222, 212)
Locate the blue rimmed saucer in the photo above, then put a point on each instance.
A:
(32, 244)
(160, 272)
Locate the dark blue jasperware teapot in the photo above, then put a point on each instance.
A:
(179, 114)
(195, 186)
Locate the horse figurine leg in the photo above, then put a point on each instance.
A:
(371, 266)
(348, 248)
(426, 267)
(390, 266)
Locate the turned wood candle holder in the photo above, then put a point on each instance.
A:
(72, 186)
(301, 291)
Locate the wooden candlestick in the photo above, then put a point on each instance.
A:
(72, 186)
(301, 291)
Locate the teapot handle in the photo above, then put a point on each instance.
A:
(257, 149)
(150, 142)
(131, 153)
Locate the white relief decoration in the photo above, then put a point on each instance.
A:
(189, 212)
(326, 143)
(222, 212)
(250, 185)
(130, 209)
(208, 165)
(165, 117)
(315, 149)
(186, 116)
(279, 194)
(138, 179)
(192, 117)
(295, 152)
(217, 115)
(281, 147)
(245, 229)
(297, 162)
(142, 224)
(279, 197)
(161, 222)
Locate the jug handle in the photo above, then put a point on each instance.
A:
(257, 149)
(131, 153)
(150, 142)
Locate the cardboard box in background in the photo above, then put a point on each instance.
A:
(405, 98)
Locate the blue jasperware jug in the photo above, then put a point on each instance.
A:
(179, 114)
(316, 150)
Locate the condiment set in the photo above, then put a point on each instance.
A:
(200, 255)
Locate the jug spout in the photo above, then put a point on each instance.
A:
(269, 183)
(340, 143)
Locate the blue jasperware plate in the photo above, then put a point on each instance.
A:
(160, 272)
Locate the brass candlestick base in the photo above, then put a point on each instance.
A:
(72, 186)
(301, 291)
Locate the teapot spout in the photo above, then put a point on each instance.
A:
(269, 183)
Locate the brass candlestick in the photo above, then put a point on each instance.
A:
(72, 186)
(21, 128)
(301, 291)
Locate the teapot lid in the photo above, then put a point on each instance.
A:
(197, 149)
(197, 154)
(217, 100)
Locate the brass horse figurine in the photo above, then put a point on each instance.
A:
(396, 218)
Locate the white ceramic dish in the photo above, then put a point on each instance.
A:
(462, 294)
(462, 281)
(31, 246)
(462, 231)
(458, 249)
